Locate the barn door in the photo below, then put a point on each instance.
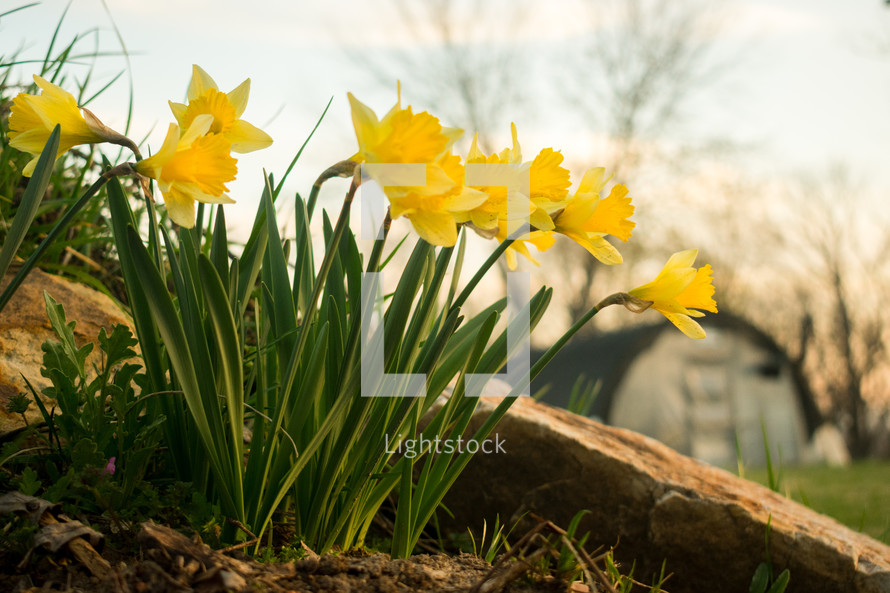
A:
(710, 411)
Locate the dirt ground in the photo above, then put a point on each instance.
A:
(168, 561)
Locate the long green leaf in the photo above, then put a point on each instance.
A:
(27, 209)
(170, 327)
(225, 336)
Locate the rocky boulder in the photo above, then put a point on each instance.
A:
(656, 505)
(24, 328)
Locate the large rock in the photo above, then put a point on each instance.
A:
(657, 505)
(24, 327)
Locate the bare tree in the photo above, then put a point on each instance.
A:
(466, 62)
(642, 63)
(631, 79)
(807, 265)
(847, 286)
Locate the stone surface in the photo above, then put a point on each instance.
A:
(24, 328)
(655, 504)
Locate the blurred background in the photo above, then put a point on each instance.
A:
(756, 131)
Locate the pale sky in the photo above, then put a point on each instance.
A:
(811, 89)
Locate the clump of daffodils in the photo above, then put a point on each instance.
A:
(194, 163)
(524, 202)
(498, 195)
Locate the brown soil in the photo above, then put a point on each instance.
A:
(168, 561)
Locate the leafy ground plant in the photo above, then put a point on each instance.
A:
(290, 383)
(101, 421)
(95, 425)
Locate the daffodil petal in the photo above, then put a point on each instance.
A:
(467, 199)
(599, 248)
(577, 211)
(29, 168)
(593, 181)
(151, 167)
(548, 179)
(179, 111)
(238, 97)
(364, 120)
(32, 141)
(510, 256)
(518, 206)
(681, 259)
(666, 286)
(518, 247)
(200, 82)
(246, 137)
(475, 154)
(199, 127)
(484, 220)
(180, 208)
(437, 181)
(516, 153)
(540, 220)
(435, 228)
(542, 241)
(687, 325)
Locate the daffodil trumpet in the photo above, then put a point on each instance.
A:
(191, 166)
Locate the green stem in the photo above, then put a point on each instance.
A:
(341, 169)
(557, 346)
(354, 331)
(51, 237)
(619, 298)
(477, 277)
(330, 253)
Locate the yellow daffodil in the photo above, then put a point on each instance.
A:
(485, 216)
(431, 208)
(204, 97)
(33, 117)
(549, 187)
(587, 219)
(402, 136)
(678, 290)
(190, 167)
(548, 184)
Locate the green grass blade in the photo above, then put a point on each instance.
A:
(9, 12)
(300, 152)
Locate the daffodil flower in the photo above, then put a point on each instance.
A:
(587, 219)
(430, 210)
(402, 136)
(548, 184)
(204, 97)
(678, 290)
(191, 167)
(33, 117)
(502, 203)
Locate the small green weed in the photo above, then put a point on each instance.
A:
(764, 580)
